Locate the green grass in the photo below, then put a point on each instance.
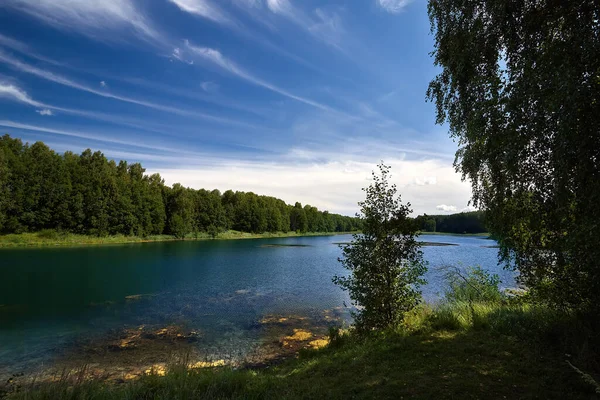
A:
(455, 234)
(498, 350)
(50, 238)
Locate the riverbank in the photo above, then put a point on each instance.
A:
(482, 235)
(50, 238)
(480, 350)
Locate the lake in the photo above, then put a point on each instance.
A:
(51, 298)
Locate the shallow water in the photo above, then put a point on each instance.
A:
(51, 298)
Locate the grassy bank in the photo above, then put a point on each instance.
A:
(456, 350)
(456, 234)
(51, 238)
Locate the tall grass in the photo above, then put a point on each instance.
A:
(474, 302)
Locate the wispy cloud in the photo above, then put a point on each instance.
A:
(24, 49)
(190, 93)
(103, 84)
(385, 97)
(205, 9)
(326, 26)
(393, 6)
(209, 87)
(428, 180)
(215, 57)
(45, 112)
(208, 10)
(283, 7)
(50, 76)
(83, 134)
(13, 92)
(91, 18)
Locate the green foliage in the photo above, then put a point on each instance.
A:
(520, 89)
(465, 222)
(475, 285)
(91, 195)
(50, 234)
(385, 262)
(213, 231)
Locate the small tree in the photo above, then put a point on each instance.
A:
(385, 263)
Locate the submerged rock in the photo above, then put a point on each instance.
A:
(208, 364)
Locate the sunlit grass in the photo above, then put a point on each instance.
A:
(49, 238)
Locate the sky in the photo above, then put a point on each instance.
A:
(297, 99)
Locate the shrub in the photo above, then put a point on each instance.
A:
(50, 234)
(476, 285)
(385, 263)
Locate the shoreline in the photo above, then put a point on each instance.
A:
(481, 235)
(56, 239)
(38, 240)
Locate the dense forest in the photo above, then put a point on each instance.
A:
(466, 222)
(89, 194)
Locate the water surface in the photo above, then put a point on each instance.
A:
(50, 297)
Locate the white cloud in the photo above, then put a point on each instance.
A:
(13, 44)
(50, 76)
(333, 184)
(45, 112)
(281, 7)
(178, 55)
(468, 209)
(13, 92)
(103, 84)
(91, 18)
(83, 134)
(445, 208)
(428, 180)
(393, 6)
(215, 57)
(209, 87)
(207, 9)
(328, 27)
(204, 9)
(24, 49)
(249, 3)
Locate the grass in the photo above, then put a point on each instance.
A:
(51, 238)
(495, 350)
(485, 235)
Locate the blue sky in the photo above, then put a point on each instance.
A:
(298, 99)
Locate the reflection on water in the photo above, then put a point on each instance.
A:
(55, 300)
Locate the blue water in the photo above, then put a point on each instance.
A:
(49, 297)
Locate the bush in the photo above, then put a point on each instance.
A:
(385, 262)
(476, 285)
(49, 234)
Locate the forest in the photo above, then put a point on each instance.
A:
(89, 194)
(465, 222)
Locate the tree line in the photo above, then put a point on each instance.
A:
(89, 194)
(465, 222)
